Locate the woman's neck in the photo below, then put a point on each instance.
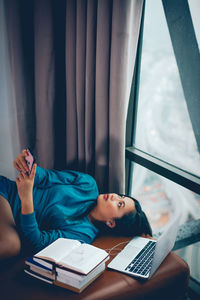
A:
(94, 215)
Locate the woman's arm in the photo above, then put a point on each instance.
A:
(25, 190)
(39, 239)
(47, 178)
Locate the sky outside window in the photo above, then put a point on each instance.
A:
(163, 127)
(194, 6)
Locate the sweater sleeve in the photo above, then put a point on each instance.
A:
(39, 239)
(47, 178)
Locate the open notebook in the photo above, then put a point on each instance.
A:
(142, 256)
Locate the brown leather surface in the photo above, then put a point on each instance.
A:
(169, 282)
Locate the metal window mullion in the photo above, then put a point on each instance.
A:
(187, 56)
(177, 175)
(133, 104)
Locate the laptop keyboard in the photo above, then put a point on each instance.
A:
(141, 264)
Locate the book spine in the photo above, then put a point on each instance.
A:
(43, 262)
(39, 267)
(68, 283)
(43, 272)
(35, 275)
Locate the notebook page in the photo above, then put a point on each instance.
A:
(55, 251)
(84, 258)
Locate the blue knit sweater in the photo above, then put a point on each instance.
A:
(57, 196)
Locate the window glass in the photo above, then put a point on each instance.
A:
(194, 6)
(163, 124)
(190, 255)
(161, 198)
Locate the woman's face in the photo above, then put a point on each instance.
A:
(112, 206)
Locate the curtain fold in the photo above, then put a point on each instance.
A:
(44, 82)
(72, 68)
(71, 107)
(9, 131)
(20, 46)
(104, 27)
(81, 16)
(125, 32)
(90, 86)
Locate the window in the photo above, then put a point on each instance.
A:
(163, 124)
(164, 154)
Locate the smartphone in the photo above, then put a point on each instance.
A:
(29, 161)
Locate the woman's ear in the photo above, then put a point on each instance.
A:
(111, 223)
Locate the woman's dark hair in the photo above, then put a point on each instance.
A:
(132, 224)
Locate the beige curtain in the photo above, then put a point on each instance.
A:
(76, 81)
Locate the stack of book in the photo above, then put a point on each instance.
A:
(67, 263)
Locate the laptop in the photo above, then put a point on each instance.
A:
(142, 256)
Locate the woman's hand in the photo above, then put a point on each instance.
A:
(20, 162)
(25, 190)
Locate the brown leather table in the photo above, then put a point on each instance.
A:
(169, 282)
